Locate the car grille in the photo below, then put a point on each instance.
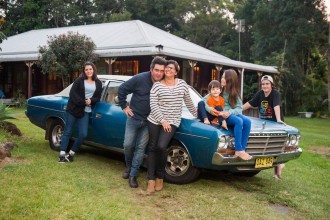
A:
(266, 143)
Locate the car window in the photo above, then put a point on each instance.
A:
(111, 94)
(195, 96)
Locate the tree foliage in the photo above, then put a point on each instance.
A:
(289, 34)
(66, 54)
(203, 22)
(25, 15)
(111, 10)
(5, 112)
(2, 21)
(158, 13)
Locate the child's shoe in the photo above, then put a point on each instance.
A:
(206, 121)
(224, 125)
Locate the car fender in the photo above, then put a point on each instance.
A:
(199, 139)
(49, 122)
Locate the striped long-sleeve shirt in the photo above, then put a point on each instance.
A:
(166, 103)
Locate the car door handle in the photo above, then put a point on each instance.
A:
(98, 115)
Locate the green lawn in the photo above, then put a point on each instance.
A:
(37, 187)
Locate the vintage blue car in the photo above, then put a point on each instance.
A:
(195, 145)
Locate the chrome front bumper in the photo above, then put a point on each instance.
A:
(220, 160)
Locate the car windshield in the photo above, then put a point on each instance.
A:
(196, 97)
(65, 92)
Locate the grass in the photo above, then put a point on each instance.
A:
(37, 187)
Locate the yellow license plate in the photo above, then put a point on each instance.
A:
(264, 162)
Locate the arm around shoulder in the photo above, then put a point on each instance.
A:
(246, 106)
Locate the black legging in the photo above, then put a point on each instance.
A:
(157, 150)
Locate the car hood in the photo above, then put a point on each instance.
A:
(261, 125)
(257, 126)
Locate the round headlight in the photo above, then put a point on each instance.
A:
(293, 140)
(222, 142)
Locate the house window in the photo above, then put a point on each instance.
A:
(214, 74)
(126, 67)
(51, 76)
(196, 76)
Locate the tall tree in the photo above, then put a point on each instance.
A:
(158, 13)
(111, 10)
(66, 54)
(24, 15)
(293, 30)
(2, 35)
(208, 23)
(58, 13)
(81, 12)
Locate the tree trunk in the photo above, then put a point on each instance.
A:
(65, 81)
(329, 80)
(328, 56)
(328, 53)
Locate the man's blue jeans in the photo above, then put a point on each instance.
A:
(82, 125)
(242, 128)
(136, 140)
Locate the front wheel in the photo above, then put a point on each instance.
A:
(55, 133)
(178, 167)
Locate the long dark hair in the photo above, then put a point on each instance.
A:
(94, 77)
(232, 87)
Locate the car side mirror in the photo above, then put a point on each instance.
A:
(116, 100)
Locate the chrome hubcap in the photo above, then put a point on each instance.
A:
(177, 161)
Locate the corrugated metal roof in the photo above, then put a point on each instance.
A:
(117, 39)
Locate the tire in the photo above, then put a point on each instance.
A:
(55, 133)
(247, 173)
(178, 167)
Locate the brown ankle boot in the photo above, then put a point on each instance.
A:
(151, 186)
(159, 184)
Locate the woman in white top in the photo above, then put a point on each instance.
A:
(166, 101)
(84, 94)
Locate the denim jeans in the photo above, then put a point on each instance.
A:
(82, 125)
(136, 140)
(202, 113)
(242, 128)
(157, 155)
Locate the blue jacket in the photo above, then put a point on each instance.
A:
(140, 86)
